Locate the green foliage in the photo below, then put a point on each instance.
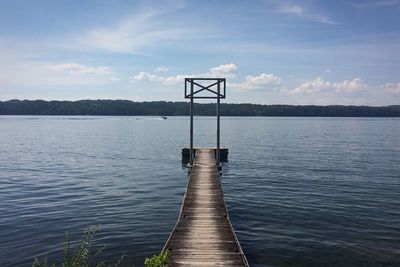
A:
(82, 255)
(162, 108)
(159, 260)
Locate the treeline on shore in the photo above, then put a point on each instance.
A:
(162, 108)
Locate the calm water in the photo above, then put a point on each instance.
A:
(300, 191)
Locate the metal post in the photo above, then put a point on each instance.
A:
(218, 124)
(191, 124)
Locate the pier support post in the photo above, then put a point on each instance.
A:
(191, 125)
(218, 122)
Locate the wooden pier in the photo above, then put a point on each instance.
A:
(203, 234)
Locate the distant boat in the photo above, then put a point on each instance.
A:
(164, 117)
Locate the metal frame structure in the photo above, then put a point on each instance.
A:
(193, 86)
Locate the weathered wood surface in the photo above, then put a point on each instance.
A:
(203, 235)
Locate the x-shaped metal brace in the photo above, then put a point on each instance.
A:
(218, 84)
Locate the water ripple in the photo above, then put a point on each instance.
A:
(300, 191)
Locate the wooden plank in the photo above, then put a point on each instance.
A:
(203, 234)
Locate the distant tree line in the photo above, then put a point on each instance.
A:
(161, 108)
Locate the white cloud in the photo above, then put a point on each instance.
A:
(20, 68)
(145, 76)
(349, 85)
(102, 72)
(292, 9)
(161, 69)
(304, 13)
(78, 69)
(312, 86)
(166, 80)
(392, 87)
(320, 85)
(255, 82)
(43, 74)
(171, 80)
(224, 70)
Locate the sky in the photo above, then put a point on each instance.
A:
(305, 52)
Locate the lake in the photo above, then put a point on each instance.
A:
(300, 191)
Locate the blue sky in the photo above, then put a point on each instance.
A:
(271, 52)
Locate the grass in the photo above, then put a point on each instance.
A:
(82, 255)
(159, 260)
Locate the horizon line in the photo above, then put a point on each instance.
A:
(170, 101)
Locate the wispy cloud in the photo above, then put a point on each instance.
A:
(293, 9)
(149, 26)
(42, 74)
(79, 69)
(146, 28)
(304, 12)
(128, 37)
(377, 3)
